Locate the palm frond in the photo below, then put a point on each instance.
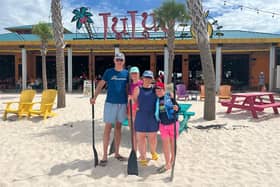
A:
(75, 18)
(79, 24)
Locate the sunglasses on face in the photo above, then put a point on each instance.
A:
(119, 59)
(158, 88)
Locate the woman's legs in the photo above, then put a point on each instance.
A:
(153, 144)
(141, 141)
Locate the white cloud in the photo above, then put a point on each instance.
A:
(15, 13)
(233, 18)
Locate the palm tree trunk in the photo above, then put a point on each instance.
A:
(170, 47)
(44, 65)
(59, 43)
(44, 72)
(200, 27)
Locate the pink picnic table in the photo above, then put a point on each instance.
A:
(252, 101)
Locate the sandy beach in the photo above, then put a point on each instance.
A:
(58, 151)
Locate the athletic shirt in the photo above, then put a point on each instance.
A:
(164, 110)
(116, 85)
(163, 114)
(139, 83)
(145, 120)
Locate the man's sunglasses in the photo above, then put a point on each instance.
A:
(119, 59)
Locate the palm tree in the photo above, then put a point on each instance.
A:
(59, 43)
(166, 15)
(200, 27)
(44, 31)
(83, 17)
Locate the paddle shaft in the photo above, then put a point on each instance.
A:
(175, 130)
(132, 167)
(130, 113)
(92, 111)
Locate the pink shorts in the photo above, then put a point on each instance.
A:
(168, 130)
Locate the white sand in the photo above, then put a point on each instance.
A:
(58, 152)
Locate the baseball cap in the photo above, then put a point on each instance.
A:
(148, 74)
(134, 69)
(160, 85)
(119, 56)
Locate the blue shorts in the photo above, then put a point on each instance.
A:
(114, 113)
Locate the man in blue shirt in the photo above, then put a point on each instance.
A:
(115, 104)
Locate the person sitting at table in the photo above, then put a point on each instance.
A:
(18, 85)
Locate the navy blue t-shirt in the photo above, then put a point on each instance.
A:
(116, 84)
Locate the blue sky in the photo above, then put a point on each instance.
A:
(230, 16)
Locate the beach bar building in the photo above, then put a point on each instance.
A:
(238, 56)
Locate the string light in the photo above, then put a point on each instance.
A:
(257, 10)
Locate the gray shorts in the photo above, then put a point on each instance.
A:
(114, 112)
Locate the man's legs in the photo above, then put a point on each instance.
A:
(121, 116)
(106, 139)
(117, 133)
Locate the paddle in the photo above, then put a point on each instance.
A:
(92, 109)
(132, 166)
(175, 130)
(112, 147)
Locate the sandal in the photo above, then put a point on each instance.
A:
(162, 169)
(143, 162)
(155, 156)
(103, 163)
(120, 158)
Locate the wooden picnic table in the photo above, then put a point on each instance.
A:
(252, 101)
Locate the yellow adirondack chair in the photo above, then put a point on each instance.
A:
(26, 97)
(46, 104)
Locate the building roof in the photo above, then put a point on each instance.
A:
(28, 28)
(227, 34)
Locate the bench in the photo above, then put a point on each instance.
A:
(259, 106)
(245, 107)
(225, 103)
(267, 105)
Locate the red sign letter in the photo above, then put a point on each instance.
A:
(105, 22)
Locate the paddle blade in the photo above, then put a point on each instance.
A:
(95, 157)
(132, 166)
(112, 147)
